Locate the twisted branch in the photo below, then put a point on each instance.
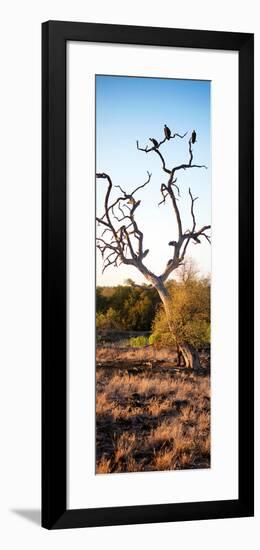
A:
(126, 238)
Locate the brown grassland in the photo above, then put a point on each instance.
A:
(150, 415)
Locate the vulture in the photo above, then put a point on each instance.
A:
(145, 253)
(196, 239)
(131, 200)
(154, 142)
(134, 203)
(167, 132)
(193, 137)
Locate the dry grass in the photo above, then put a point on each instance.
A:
(146, 353)
(153, 419)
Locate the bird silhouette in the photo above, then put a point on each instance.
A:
(167, 132)
(145, 253)
(193, 137)
(154, 142)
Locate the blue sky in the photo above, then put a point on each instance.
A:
(133, 108)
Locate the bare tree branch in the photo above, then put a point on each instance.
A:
(182, 166)
(121, 248)
(126, 238)
(148, 149)
(174, 203)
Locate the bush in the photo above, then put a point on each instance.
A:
(139, 341)
(190, 315)
(108, 321)
(153, 339)
(134, 306)
(160, 339)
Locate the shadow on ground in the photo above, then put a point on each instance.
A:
(31, 515)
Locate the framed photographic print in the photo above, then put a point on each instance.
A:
(147, 281)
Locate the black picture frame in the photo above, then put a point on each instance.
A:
(55, 35)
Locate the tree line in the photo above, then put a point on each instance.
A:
(126, 307)
(132, 307)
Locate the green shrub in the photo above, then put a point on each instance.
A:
(108, 321)
(190, 315)
(139, 341)
(157, 339)
(161, 339)
(134, 306)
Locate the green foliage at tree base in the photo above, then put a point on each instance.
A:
(189, 314)
(139, 341)
(138, 308)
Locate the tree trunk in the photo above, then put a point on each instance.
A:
(187, 351)
(190, 356)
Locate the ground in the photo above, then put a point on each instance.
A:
(150, 415)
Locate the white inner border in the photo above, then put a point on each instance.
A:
(85, 489)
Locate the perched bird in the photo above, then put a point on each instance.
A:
(167, 132)
(196, 239)
(172, 243)
(154, 142)
(193, 137)
(145, 253)
(134, 203)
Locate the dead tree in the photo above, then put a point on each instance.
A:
(122, 241)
